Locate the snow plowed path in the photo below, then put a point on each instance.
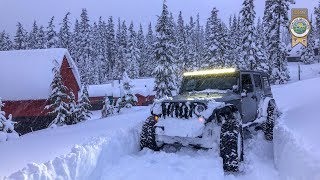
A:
(193, 164)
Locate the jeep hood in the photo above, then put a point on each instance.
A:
(220, 96)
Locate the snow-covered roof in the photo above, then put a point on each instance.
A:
(140, 86)
(296, 51)
(100, 90)
(27, 74)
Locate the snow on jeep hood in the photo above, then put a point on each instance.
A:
(180, 127)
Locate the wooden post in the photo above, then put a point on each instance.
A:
(299, 72)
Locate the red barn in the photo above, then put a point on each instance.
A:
(25, 78)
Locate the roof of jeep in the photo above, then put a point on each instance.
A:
(222, 71)
(252, 71)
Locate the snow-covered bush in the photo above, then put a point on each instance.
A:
(7, 131)
(128, 99)
(107, 108)
(58, 105)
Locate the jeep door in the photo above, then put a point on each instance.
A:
(258, 89)
(249, 104)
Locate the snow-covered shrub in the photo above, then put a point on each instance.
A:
(107, 108)
(84, 105)
(7, 131)
(58, 105)
(128, 99)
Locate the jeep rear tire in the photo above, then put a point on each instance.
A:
(147, 137)
(231, 141)
(269, 124)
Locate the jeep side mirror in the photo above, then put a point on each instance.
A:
(244, 93)
(235, 88)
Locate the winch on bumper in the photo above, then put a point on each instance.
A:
(187, 123)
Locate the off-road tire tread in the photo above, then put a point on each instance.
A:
(147, 136)
(229, 142)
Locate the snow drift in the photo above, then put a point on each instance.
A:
(296, 143)
(83, 161)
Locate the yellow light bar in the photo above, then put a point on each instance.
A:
(212, 71)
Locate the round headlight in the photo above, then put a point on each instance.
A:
(199, 109)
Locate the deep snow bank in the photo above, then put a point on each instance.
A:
(83, 161)
(296, 142)
(44, 146)
(292, 158)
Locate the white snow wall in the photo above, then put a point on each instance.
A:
(292, 158)
(84, 161)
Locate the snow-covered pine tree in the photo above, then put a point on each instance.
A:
(307, 54)
(164, 47)
(98, 54)
(20, 39)
(150, 64)
(76, 42)
(58, 98)
(181, 43)
(267, 18)
(128, 99)
(7, 131)
(84, 105)
(182, 53)
(143, 57)
(191, 62)
(5, 42)
(277, 53)
(317, 22)
(3, 135)
(103, 60)
(199, 43)
(121, 47)
(65, 35)
(103, 54)
(261, 49)
(216, 42)
(133, 54)
(33, 37)
(41, 38)
(51, 34)
(249, 48)
(107, 109)
(85, 48)
(73, 117)
(111, 47)
(210, 42)
(233, 40)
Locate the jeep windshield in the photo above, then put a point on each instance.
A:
(207, 83)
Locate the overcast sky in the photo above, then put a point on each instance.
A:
(138, 11)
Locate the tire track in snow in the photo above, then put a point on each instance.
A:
(193, 164)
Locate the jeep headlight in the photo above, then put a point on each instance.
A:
(199, 109)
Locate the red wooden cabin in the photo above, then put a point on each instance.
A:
(25, 79)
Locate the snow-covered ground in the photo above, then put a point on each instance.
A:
(79, 143)
(109, 148)
(306, 71)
